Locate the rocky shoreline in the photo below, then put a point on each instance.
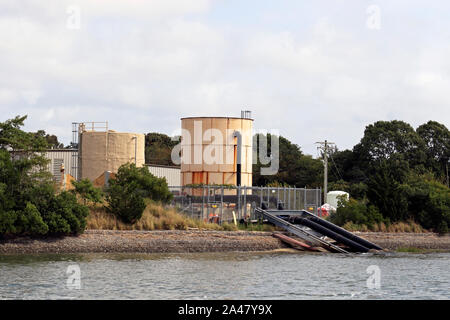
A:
(394, 241)
(180, 241)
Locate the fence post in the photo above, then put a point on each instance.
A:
(192, 204)
(278, 195)
(245, 202)
(295, 198)
(304, 199)
(221, 204)
(289, 198)
(203, 202)
(261, 197)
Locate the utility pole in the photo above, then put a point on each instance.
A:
(325, 147)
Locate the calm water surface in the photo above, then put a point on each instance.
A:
(226, 276)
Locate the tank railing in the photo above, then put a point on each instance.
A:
(223, 203)
(93, 126)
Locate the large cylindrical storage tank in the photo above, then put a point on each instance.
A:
(108, 150)
(209, 149)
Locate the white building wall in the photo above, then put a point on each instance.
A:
(172, 174)
(66, 157)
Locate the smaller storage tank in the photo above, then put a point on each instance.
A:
(101, 151)
(333, 197)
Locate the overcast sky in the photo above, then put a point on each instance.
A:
(314, 70)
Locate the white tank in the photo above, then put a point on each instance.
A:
(332, 197)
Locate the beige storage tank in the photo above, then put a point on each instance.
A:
(209, 149)
(108, 150)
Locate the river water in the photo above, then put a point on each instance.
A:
(226, 276)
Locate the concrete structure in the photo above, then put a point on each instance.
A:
(171, 174)
(210, 150)
(101, 151)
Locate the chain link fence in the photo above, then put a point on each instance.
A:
(226, 204)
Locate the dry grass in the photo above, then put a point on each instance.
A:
(408, 226)
(155, 217)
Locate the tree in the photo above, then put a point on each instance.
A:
(158, 148)
(436, 137)
(345, 165)
(86, 190)
(52, 140)
(29, 202)
(295, 168)
(386, 189)
(384, 139)
(127, 191)
(428, 202)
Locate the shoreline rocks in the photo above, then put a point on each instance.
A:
(181, 241)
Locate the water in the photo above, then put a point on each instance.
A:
(226, 276)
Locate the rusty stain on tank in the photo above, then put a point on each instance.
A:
(216, 173)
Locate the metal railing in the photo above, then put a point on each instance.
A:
(224, 204)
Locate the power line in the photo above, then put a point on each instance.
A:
(337, 169)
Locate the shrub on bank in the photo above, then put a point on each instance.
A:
(87, 192)
(127, 192)
(357, 212)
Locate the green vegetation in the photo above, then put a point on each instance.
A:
(127, 192)
(200, 185)
(158, 217)
(295, 168)
(29, 203)
(154, 217)
(411, 250)
(396, 176)
(86, 191)
(358, 212)
(400, 172)
(158, 148)
(51, 139)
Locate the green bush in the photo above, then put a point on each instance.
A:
(65, 215)
(127, 191)
(86, 190)
(356, 212)
(29, 202)
(429, 202)
(30, 221)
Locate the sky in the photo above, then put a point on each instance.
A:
(313, 70)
